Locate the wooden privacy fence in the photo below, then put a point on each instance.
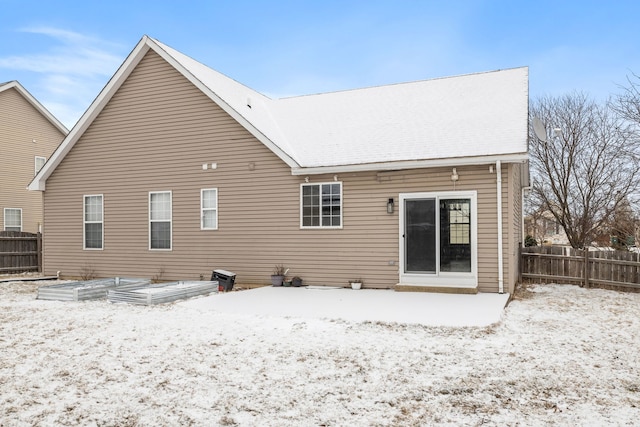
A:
(20, 251)
(611, 269)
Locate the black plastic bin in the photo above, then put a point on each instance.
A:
(225, 279)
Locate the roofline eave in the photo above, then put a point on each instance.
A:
(412, 164)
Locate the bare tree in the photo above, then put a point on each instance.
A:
(588, 165)
(627, 103)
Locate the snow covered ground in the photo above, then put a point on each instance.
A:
(561, 355)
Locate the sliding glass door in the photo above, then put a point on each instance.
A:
(438, 238)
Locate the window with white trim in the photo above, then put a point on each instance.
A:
(321, 205)
(39, 163)
(13, 219)
(160, 220)
(209, 209)
(93, 234)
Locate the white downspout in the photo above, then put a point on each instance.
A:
(500, 254)
(524, 194)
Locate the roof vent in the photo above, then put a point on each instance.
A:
(249, 102)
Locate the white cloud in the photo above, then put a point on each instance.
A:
(69, 73)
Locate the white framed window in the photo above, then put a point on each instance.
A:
(13, 219)
(93, 218)
(321, 205)
(160, 219)
(209, 209)
(39, 163)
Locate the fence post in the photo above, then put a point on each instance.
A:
(39, 250)
(586, 267)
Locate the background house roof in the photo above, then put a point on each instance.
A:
(475, 115)
(37, 105)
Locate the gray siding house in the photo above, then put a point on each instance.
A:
(176, 170)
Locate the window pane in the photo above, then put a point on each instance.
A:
(209, 212)
(321, 205)
(13, 219)
(310, 206)
(420, 236)
(93, 235)
(160, 206)
(160, 235)
(39, 163)
(93, 238)
(455, 235)
(331, 205)
(306, 191)
(209, 199)
(93, 208)
(209, 219)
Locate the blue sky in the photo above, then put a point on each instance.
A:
(64, 52)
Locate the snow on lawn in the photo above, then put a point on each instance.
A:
(561, 355)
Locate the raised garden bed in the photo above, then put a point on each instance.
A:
(88, 289)
(160, 293)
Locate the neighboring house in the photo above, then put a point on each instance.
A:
(544, 227)
(176, 170)
(28, 135)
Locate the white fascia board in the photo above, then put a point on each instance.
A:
(412, 164)
(225, 106)
(36, 104)
(39, 181)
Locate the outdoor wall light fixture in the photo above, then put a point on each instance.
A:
(390, 205)
(454, 175)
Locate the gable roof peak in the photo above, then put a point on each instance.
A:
(14, 84)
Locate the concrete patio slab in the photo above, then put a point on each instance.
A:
(429, 309)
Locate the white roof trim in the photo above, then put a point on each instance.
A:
(39, 182)
(412, 164)
(36, 104)
(136, 55)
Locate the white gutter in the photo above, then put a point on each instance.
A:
(500, 254)
(410, 164)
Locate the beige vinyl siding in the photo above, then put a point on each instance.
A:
(510, 218)
(155, 134)
(20, 124)
(515, 214)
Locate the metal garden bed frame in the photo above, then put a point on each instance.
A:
(88, 289)
(159, 293)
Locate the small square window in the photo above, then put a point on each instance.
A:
(13, 219)
(321, 205)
